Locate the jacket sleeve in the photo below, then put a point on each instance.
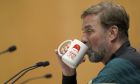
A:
(69, 79)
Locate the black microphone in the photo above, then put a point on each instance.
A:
(43, 64)
(10, 49)
(24, 71)
(47, 76)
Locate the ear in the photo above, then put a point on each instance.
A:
(113, 33)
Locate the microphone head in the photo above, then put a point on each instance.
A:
(46, 63)
(49, 75)
(12, 48)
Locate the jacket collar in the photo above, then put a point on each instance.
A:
(121, 50)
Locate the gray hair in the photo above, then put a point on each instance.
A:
(111, 14)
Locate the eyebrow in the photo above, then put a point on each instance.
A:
(87, 27)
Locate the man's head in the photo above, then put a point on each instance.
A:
(105, 25)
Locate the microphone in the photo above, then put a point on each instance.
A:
(43, 64)
(47, 76)
(10, 49)
(24, 71)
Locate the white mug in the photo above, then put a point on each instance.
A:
(74, 54)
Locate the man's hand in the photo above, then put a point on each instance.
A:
(66, 70)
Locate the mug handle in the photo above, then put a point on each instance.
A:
(61, 46)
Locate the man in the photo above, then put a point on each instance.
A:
(105, 31)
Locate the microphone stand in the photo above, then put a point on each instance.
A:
(47, 76)
(23, 74)
(3, 52)
(24, 71)
(18, 74)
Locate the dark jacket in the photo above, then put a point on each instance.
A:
(122, 68)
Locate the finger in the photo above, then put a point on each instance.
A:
(84, 59)
(66, 48)
(62, 51)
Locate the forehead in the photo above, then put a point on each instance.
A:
(91, 20)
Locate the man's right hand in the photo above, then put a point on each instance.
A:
(66, 70)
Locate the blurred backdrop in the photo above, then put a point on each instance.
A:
(37, 27)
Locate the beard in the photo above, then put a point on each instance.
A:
(97, 56)
(93, 56)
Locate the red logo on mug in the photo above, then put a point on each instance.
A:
(77, 47)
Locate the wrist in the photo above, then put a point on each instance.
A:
(69, 72)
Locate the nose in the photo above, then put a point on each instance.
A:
(84, 38)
